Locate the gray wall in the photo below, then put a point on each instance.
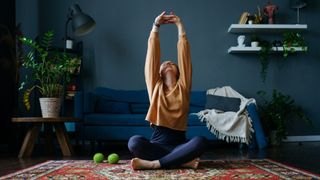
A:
(27, 13)
(114, 52)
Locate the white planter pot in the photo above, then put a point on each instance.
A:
(50, 107)
(254, 44)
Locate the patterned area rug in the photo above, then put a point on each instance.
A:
(214, 169)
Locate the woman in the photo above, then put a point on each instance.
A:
(169, 89)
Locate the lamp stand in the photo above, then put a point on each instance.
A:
(298, 15)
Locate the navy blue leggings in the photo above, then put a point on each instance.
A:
(169, 155)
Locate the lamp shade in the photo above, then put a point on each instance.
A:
(297, 4)
(82, 23)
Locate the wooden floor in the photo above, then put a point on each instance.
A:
(301, 155)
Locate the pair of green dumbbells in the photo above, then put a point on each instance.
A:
(112, 158)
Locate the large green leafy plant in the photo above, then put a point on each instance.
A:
(278, 111)
(50, 68)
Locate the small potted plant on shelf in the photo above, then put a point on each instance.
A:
(254, 41)
(50, 69)
(276, 113)
(257, 17)
(291, 41)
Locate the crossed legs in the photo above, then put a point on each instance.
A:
(153, 156)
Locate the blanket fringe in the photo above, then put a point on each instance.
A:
(223, 136)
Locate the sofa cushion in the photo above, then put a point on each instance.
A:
(116, 119)
(198, 98)
(89, 101)
(103, 105)
(130, 96)
(222, 103)
(195, 109)
(193, 120)
(129, 120)
(138, 108)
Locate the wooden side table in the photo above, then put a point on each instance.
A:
(32, 134)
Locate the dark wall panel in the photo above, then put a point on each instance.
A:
(7, 70)
(114, 52)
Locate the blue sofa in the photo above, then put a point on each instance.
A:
(110, 114)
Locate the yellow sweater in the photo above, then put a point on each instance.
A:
(168, 109)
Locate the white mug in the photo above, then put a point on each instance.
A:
(254, 44)
(241, 39)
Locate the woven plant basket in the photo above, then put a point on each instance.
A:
(50, 107)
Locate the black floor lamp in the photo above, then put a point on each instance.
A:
(82, 24)
(298, 4)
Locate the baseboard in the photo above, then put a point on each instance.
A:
(302, 138)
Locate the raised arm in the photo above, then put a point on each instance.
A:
(152, 64)
(184, 57)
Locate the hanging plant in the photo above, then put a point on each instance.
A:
(266, 48)
(292, 40)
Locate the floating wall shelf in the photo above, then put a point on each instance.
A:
(266, 28)
(263, 28)
(248, 49)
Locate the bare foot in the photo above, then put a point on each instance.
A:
(137, 163)
(192, 164)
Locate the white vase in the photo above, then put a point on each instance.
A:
(254, 44)
(50, 107)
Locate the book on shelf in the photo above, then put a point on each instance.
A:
(244, 18)
(77, 65)
(70, 94)
(71, 91)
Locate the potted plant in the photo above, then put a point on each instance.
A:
(291, 41)
(254, 41)
(258, 17)
(276, 113)
(50, 69)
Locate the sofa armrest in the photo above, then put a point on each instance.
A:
(89, 102)
(84, 103)
(78, 105)
(258, 130)
(78, 113)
